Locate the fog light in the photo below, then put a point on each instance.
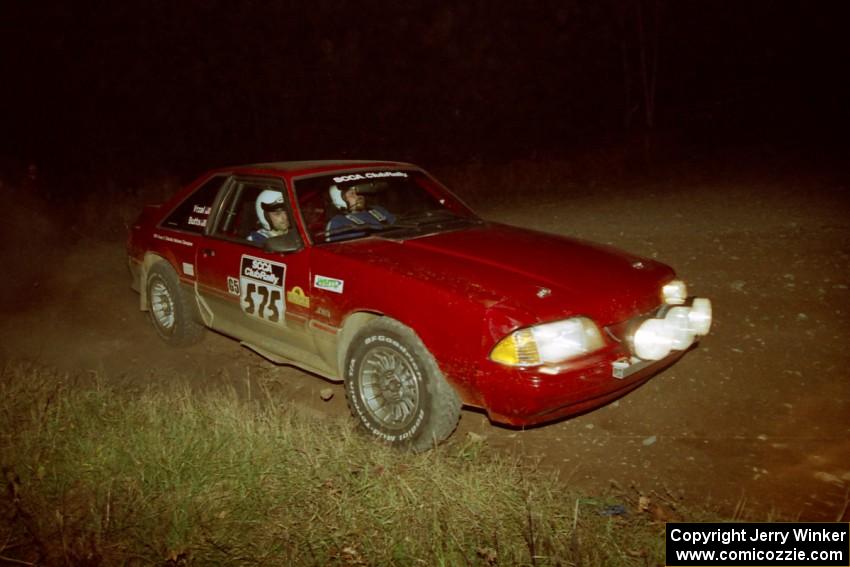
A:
(700, 316)
(674, 293)
(652, 340)
(678, 327)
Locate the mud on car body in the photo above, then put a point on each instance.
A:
(381, 278)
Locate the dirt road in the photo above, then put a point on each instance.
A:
(758, 416)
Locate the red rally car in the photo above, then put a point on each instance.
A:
(375, 274)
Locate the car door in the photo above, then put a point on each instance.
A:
(247, 291)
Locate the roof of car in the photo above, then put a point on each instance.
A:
(320, 165)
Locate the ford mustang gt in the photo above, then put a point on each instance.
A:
(376, 275)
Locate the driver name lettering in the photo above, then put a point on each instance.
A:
(172, 239)
(369, 175)
(199, 210)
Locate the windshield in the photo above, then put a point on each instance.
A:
(392, 203)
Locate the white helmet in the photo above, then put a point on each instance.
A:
(269, 200)
(336, 198)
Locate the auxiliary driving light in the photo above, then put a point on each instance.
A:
(674, 292)
(678, 326)
(677, 330)
(652, 341)
(700, 316)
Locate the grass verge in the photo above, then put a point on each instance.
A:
(100, 474)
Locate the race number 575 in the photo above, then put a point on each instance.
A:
(262, 301)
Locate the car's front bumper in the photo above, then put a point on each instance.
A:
(532, 395)
(529, 396)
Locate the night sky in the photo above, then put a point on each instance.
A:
(115, 88)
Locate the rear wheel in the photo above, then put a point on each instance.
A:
(395, 388)
(171, 311)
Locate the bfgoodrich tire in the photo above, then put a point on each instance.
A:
(171, 311)
(395, 388)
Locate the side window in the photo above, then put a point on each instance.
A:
(254, 211)
(192, 214)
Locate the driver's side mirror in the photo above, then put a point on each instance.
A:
(283, 244)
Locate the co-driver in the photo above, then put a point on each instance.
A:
(353, 213)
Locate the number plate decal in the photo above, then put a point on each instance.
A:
(261, 284)
(232, 285)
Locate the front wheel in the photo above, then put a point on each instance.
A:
(395, 388)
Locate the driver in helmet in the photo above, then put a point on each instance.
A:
(273, 216)
(353, 212)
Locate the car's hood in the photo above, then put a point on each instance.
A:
(543, 275)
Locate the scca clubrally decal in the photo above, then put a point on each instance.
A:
(261, 284)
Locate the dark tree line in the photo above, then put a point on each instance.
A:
(114, 84)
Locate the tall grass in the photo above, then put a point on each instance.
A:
(95, 474)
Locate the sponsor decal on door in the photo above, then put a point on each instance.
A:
(329, 284)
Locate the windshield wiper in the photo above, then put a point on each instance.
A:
(331, 235)
(417, 222)
(436, 216)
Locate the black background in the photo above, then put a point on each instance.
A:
(122, 90)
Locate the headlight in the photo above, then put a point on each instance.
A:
(674, 293)
(548, 343)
